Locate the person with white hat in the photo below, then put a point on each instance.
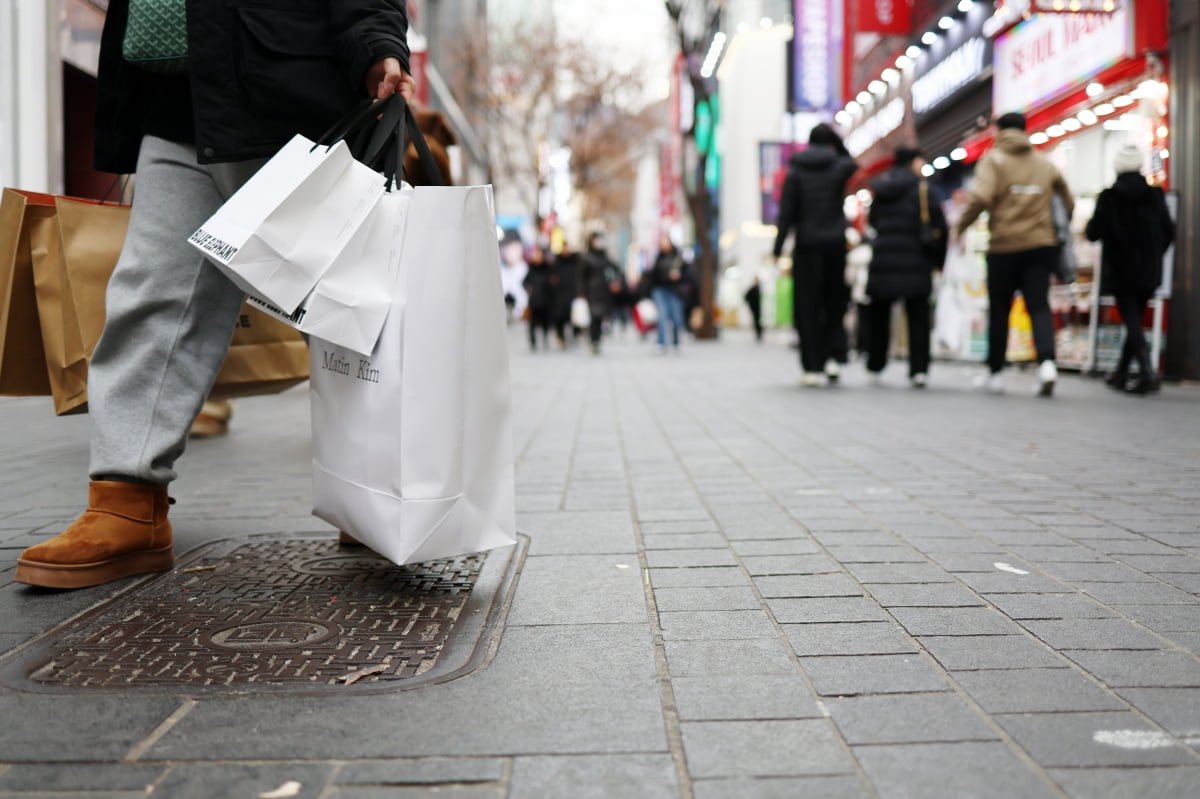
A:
(1135, 229)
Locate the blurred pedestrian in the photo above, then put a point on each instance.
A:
(540, 294)
(193, 138)
(901, 268)
(811, 205)
(753, 297)
(1014, 183)
(1133, 224)
(666, 289)
(600, 282)
(564, 284)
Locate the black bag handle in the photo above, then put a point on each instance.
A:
(389, 142)
(355, 121)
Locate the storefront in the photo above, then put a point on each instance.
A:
(952, 92)
(1087, 83)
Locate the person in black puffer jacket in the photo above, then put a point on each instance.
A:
(255, 75)
(900, 269)
(811, 205)
(1131, 220)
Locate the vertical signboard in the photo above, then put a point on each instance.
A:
(817, 55)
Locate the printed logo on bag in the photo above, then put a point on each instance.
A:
(295, 317)
(221, 250)
(336, 362)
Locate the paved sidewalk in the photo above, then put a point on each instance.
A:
(734, 587)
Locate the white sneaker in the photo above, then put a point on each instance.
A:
(919, 380)
(991, 383)
(833, 371)
(875, 378)
(1047, 374)
(810, 379)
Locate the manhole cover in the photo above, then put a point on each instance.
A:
(292, 613)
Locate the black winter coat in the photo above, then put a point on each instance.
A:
(598, 273)
(667, 264)
(258, 73)
(1131, 220)
(564, 283)
(811, 200)
(899, 269)
(537, 285)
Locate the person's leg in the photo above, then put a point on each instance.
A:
(1132, 309)
(1001, 284)
(835, 301)
(1035, 288)
(170, 318)
(675, 309)
(878, 329)
(807, 285)
(916, 309)
(658, 295)
(1127, 306)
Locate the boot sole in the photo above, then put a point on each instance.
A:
(1046, 389)
(85, 575)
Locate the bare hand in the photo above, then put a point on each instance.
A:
(387, 77)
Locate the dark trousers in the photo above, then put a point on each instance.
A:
(1132, 308)
(819, 299)
(539, 319)
(1027, 271)
(879, 333)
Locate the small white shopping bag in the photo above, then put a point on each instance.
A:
(412, 445)
(285, 226)
(351, 300)
(581, 313)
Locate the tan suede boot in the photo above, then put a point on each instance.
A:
(124, 531)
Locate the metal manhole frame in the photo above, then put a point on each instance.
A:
(469, 645)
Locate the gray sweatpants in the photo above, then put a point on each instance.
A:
(170, 318)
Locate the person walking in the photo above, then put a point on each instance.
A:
(1133, 224)
(811, 205)
(753, 298)
(541, 297)
(564, 285)
(600, 283)
(901, 268)
(193, 138)
(1014, 183)
(667, 284)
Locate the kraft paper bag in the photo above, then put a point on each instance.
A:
(351, 300)
(74, 253)
(22, 356)
(412, 445)
(287, 224)
(265, 357)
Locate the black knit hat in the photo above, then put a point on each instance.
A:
(1012, 119)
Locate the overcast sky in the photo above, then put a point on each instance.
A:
(634, 31)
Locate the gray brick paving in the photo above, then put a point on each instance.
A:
(827, 607)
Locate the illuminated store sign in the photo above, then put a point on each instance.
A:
(817, 61)
(956, 70)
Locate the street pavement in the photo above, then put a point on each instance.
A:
(733, 587)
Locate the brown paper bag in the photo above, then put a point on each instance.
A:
(265, 357)
(22, 358)
(74, 252)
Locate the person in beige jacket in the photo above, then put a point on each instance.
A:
(1014, 183)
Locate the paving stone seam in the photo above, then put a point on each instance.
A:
(780, 635)
(671, 722)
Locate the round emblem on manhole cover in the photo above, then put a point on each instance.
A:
(268, 635)
(343, 564)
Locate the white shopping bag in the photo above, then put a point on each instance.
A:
(412, 446)
(647, 311)
(581, 314)
(351, 300)
(284, 227)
